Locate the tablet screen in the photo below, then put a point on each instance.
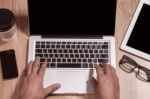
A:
(139, 38)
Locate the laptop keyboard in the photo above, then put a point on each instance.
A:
(72, 54)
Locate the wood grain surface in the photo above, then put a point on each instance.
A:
(130, 86)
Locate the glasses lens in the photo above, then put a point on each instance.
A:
(127, 67)
(142, 75)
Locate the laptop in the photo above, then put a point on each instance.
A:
(72, 36)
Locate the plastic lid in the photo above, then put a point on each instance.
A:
(7, 20)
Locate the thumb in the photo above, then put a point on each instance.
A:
(93, 83)
(52, 88)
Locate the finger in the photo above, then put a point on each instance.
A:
(108, 69)
(29, 68)
(36, 65)
(42, 69)
(93, 83)
(99, 71)
(117, 88)
(52, 88)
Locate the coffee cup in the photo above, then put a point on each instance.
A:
(7, 25)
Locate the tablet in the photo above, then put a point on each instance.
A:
(137, 38)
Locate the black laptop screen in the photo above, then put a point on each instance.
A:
(72, 17)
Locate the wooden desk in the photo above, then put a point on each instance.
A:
(130, 86)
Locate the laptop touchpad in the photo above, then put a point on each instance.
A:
(72, 81)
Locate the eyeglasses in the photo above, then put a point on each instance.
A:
(129, 65)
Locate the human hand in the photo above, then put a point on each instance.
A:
(32, 82)
(107, 84)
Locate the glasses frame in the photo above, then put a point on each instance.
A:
(126, 59)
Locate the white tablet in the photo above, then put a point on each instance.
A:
(137, 38)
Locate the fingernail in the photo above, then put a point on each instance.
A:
(58, 85)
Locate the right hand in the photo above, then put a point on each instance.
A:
(107, 84)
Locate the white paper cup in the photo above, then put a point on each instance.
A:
(7, 25)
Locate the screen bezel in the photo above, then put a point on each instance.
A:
(124, 45)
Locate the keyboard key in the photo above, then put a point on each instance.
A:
(78, 46)
(50, 55)
(52, 65)
(95, 51)
(56, 55)
(84, 60)
(85, 51)
(44, 50)
(68, 46)
(76, 55)
(58, 60)
(98, 46)
(104, 55)
(89, 60)
(48, 43)
(105, 51)
(79, 60)
(63, 46)
(75, 51)
(47, 46)
(70, 51)
(69, 60)
(55, 51)
(66, 55)
(57, 46)
(71, 55)
(81, 55)
(70, 65)
(53, 60)
(68, 42)
(49, 60)
(90, 65)
(64, 60)
(37, 46)
(80, 51)
(104, 46)
(42, 60)
(58, 42)
(59, 51)
(97, 56)
(74, 42)
(61, 55)
(49, 50)
(106, 43)
(42, 46)
(85, 65)
(38, 51)
(73, 60)
(38, 55)
(88, 47)
(73, 46)
(65, 51)
(43, 42)
(37, 42)
(63, 42)
(45, 55)
(91, 55)
(86, 55)
(103, 60)
(90, 51)
(53, 42)
(52, 46)
(95, 60)
(100, 51)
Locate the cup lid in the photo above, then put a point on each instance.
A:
(7, 19)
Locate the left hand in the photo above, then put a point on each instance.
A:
(32, 82)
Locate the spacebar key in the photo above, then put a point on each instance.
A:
(70, 65)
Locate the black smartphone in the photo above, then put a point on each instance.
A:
(8, 64)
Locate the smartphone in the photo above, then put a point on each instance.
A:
(8, 64)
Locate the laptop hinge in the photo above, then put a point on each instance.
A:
(74, 36)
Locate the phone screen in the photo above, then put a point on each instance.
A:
(8, 64)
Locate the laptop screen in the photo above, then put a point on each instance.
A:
(72, 17)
